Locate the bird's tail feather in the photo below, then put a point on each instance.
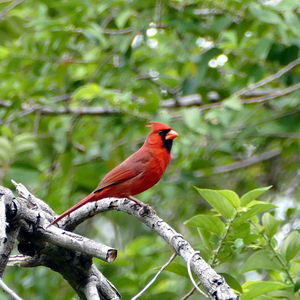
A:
(89, 198)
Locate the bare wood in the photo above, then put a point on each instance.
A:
(60, 237)
(91, 292)
(77, 242)
(79, 271)
(9, 232)
(3, 237)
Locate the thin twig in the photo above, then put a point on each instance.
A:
(276, 254)
(277, 94)
(269, 78)
(155, 277)
(191, 275)
(11, 6)
(214, 257)
(9, 291)
(252, 160)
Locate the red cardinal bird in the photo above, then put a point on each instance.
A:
(139, 172)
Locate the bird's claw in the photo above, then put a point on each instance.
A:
(146, 210)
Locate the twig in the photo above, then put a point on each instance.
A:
(175, 102)
(191, 275)
(241, 164)
(277, 94)
(9, 7)
(155, 277)
(116, 31)
(9, 291)
(214, 257)
(276, 254)
(269, 78)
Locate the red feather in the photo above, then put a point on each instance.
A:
(139, 172)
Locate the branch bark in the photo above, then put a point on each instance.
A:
(38, 248)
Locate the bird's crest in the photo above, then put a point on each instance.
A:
(157, 126)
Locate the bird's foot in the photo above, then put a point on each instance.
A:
(145, 208)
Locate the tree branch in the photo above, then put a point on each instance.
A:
(240, 164)
(213, 283)
(37, 246)
(34, 241)
(70, 240)
(11, 6)
(269, 78)
(9, 231)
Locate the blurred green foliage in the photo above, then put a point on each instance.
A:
(132, 56)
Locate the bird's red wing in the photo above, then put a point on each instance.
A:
(115, 176)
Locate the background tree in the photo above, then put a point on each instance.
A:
(80, 79)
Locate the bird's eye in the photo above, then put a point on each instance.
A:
(160, 132)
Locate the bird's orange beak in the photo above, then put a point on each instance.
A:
(171, 135)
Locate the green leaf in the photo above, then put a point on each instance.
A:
(252, 211)
(4, 52)
(270, 224)
(252, 195)
(178, 269)
(6, 150)
(233, 283)
(207, 223)
(88, 91)
(24, 142)
(253, 289)
(218, 201)
(297, 286)
(123, 17)
(264, 15)
(291, 245)
(234, 102)
(231, 196)
(262, 259)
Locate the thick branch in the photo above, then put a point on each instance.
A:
(37, 247)
(76, 242)
(3, 237)
(214, 284)
(9, 231)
